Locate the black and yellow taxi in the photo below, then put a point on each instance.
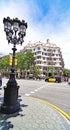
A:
(53, 79)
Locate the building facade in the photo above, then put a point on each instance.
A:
(46, 55)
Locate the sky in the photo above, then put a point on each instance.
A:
(45, 19)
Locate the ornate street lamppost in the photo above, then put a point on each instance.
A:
(15, 31)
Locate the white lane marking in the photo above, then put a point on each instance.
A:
(27, 94)
(43, 87)
(32, 92)
(36, 90)
(39, 88)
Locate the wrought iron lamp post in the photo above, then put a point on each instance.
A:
(15, 31)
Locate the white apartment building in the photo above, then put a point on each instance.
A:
(47, 54)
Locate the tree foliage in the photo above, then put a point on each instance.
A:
(66, 72)
(51, 70)
(4, 63)
(25, 62)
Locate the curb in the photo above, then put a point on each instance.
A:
(57, 108)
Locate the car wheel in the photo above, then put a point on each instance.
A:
(56, 81)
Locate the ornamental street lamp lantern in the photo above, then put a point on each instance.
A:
(15, 32)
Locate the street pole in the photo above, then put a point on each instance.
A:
(12, 28)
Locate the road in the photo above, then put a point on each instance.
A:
(55, 93)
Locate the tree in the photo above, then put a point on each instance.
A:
(51, 70)
(66, 72)
(25, 63)
(35, 70)
(29, 59)
(4, 65)
(20, 61)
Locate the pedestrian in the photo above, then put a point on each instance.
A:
(0, 81)
(69, 81)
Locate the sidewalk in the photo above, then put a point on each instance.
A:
(34, 115)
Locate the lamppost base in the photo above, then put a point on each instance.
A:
(10, 103)
(10, 109)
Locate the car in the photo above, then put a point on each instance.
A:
(53, 79)
(39, 77)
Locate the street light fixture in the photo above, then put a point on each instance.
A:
(15, 31)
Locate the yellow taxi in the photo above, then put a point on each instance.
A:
(53, 79)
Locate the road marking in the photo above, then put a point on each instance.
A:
(43, 87)
(32, 92)
(27, 94)
(39, 88)
(57, 108)
(36, 90)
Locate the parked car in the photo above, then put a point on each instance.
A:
(30, 76)
(39, 77)
(53, 79)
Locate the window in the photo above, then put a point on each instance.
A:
(49, 50)
(40, 67)
(59, 50)
(43, 58)
(45, 68)
(38, 57)
(34, 49)
(60, 63)
(39, 52)
(44, 49)
(44, 62)
(54, 59)
(38, 62)
(38, 48)
(49, 54)
(45, 54)
(53, 54)
(54, 50)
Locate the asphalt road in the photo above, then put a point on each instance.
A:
(55, 93)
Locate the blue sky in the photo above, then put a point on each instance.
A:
(45, 18)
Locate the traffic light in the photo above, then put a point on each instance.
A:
(15, 61)
(10, 62)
